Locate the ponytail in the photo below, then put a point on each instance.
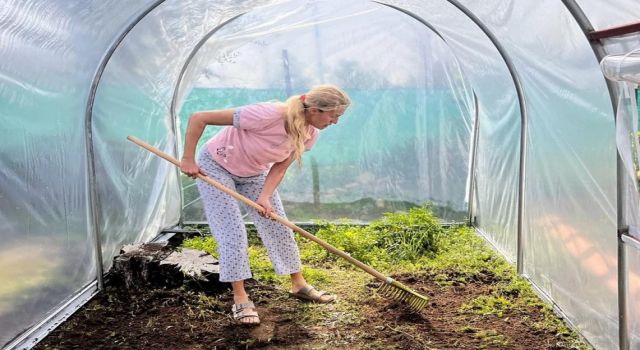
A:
(296, 126)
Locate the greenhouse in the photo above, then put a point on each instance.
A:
(518, 118)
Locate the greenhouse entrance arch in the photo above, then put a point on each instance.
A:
(474, 107)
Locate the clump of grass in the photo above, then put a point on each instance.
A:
(206, 244)
(409, 236)
(360, 242)
(491, 338)
(467, 329)
(488, 305)
(525, 299)
(463, 256)
(398, 238)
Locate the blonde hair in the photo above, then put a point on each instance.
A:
(326, 97)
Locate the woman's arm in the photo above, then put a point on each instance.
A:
(197, 122)
(274, 177)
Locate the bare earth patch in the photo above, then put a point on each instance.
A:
(181, 319)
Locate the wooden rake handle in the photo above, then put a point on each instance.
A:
(275, 217)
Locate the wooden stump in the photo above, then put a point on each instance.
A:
(159, 265)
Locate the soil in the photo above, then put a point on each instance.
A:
(182, 319)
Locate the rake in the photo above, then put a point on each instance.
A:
(389, 287)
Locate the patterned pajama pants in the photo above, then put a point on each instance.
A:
(227, 225)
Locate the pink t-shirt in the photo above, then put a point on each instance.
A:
(256, 140)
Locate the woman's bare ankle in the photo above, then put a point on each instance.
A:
(297, 281)
(240, 295)
(240, 298)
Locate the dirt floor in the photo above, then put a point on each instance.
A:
(181, 319)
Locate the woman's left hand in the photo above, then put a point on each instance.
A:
(267, 210)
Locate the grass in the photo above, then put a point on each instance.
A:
(412, 243)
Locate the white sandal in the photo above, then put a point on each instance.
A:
(244, 310)
(306, 293)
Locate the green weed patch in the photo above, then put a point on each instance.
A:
(415, 246)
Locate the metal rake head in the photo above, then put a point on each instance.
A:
(398, 291)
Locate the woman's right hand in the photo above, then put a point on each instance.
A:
(190, 168)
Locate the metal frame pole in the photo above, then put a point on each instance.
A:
(473, 150)
(474, 156)
(174, 101)
(414, 16)
(600, 52)
(523, 128)
(35, 334)
(623, 292)
(523, 116)
(94, 218)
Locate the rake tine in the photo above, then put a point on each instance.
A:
(396, 290)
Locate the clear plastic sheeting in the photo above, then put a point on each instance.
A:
(610, 13)
(614, 13)
(496, 180)
(140, 192)
(622, 44)
(623, 67)
(570, 220)
(50, 51)
(403, 79)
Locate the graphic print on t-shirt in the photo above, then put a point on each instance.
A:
(222, 152)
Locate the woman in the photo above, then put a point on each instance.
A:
(251, 156)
